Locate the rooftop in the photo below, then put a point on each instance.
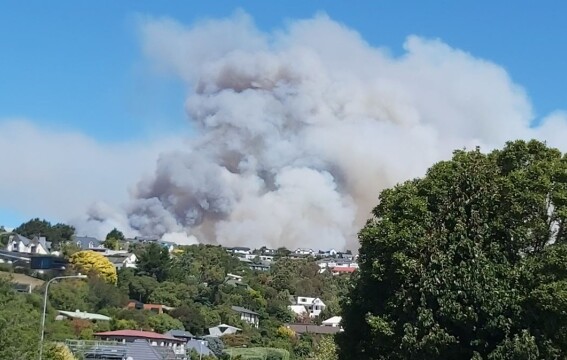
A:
(136, 334)
(244, 310)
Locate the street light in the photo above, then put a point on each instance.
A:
(78, 276)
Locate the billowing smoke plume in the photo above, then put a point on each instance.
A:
(297, 131)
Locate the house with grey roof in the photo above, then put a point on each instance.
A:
(249, 316)
(89, 243)
(137, 349)
(180, 334)
(21, 244)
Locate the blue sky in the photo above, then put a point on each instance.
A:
(78, 66)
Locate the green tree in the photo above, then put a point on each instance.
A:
(325, 349)
(19, 324)
(154, 261)
(113, 239)
(467, 263)
(163, 322)
(58, 234)
(115, 234)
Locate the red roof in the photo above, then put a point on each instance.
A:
(344, 269)
(136, 334)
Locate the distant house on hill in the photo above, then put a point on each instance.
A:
(89, 243)
(21, 244)
(239, 250)
(180, 334)
(123, 260)
(312, 306)
(249, 316)
(156, 308)
(301, 329)
(154, 339)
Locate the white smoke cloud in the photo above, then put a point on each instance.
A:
(299, 130)
(57, 174)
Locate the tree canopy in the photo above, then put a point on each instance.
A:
(469, 262)
(58, 234)
(92, 262)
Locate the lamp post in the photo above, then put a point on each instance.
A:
(78, 276)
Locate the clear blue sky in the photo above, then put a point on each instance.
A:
(77, 64)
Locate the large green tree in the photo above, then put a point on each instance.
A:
(19, 324)
(58, 234)
(469, 262)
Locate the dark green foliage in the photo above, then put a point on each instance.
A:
(58, 234)
(115, 234)
(154, 261)
(466, 263)
(19, 324)
(216, 345)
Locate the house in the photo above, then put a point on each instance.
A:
(139, 349)
(335, 321)
(313, 329)
(156, 308)
(153, 338)
(249, 316)
(123, 260)
(170, 246)
(302, 251)
(77, 314)
(21, 244)
(89, 243)
(313, 306)
(180, 334)
(259, 267)
(223, 329)
(328, 253)
(239, 250)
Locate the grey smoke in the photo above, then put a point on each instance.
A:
(297, 131)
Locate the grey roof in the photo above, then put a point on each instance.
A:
(17, 237)
(84, 241)
(142, 350)
(179, 334)
(313, 329)
(200, 346)
(243, 310)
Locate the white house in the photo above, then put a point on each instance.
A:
(123, 260)
(239, 250)
(302, 251)
(223, 329)
(335, 321)
(249, 316)
(89, 243)
(331, 252)
(37, 245)
(313, 306)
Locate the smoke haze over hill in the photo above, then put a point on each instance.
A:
(297, 131)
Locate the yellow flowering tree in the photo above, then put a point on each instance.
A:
(58, 351)
(90, 261)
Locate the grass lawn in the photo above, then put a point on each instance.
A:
(21, 278)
